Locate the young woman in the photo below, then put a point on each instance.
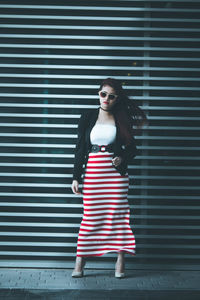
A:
(106, 145)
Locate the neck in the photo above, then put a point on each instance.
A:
(105, 111)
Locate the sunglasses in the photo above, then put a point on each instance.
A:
(110, 96)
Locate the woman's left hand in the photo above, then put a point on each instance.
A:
(117, 161)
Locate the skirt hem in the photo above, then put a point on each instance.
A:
(88, 255)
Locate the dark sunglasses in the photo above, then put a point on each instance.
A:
(110, 96)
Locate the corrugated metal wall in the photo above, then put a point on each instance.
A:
(54, 55)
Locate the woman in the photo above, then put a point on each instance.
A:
(106, 146)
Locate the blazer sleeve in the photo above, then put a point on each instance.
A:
(127, 154)
(130, 151)
(79, 149)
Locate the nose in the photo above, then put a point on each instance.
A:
(107, 97)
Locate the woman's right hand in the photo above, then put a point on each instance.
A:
(75, 189)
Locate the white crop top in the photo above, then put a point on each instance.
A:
(103, 134)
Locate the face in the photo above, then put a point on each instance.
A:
(107, 97)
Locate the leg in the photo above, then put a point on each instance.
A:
(79, 264)
(120, 264)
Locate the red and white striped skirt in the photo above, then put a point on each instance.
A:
(105, 226)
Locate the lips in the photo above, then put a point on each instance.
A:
(105, 102)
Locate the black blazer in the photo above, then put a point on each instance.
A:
(86, 122)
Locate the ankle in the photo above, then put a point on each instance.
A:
(79, 265)
(120, 266)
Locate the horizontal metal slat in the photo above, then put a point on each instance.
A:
(89, 97)
(35, 145)
(149, 157)
(99, 18)
(100, 28)
(60, 234)
(64, 225)
(65, 245)
(96, 57)
(66, 205)
(53, 175)
(96, 37)
(105, 48)
(135, 186)
(64, 136)
(42, 125)
(82, 77)
(64, 116)
(98, 8)
(98, 67)
(49, 86)
(149, 108)
(63, 254)
(60, 195)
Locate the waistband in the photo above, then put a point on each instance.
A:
(101, 148)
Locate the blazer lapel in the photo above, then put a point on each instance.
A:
(91, 122)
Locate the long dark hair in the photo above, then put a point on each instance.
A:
(127, 113)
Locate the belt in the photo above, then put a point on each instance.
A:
(102, 148)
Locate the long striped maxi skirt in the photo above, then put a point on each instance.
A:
(105, 225)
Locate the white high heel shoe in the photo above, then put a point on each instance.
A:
(79, 274)
(119, 274)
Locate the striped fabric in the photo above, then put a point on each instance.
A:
(105, 224)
